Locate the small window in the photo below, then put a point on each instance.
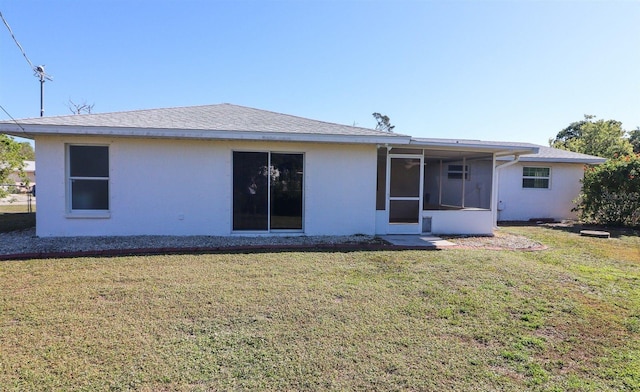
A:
(455, 172)
(88, 178)
(535, 177)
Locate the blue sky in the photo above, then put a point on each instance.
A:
(490, 70)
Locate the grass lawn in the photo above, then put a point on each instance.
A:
(563, 319)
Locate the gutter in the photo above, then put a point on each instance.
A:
(513, 162)
(593, 161)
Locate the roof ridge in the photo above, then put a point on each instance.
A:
(121, 112)
(171, 108)
(311, 119)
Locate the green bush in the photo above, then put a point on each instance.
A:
(611, 192)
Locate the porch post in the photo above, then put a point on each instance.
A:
(440, 185)
(464, 180)
(494, 192)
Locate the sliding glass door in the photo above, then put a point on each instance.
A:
(250, 191)
(286, 192)
(267, 191)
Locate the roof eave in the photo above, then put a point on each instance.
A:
(30, 131)
(14, 130)
(587, 161)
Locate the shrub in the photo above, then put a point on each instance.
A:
(611, 192)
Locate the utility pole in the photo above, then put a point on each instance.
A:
(39, 72)
(42, 94)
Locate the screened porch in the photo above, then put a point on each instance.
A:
(414, 186)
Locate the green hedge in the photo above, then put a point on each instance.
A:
(611, 193)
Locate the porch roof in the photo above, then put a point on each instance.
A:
(467, 145)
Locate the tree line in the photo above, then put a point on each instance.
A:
(602, 138)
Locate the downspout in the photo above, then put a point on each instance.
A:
(496, 185)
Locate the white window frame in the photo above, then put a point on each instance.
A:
(70, 212)
(548, 177)
(463, 172)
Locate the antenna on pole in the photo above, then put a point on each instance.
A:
(38, 71)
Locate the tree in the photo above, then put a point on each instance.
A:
(594, 137)
(26, 149)
(11, 160)
(634, 139)
(80, 108)
(384, 123)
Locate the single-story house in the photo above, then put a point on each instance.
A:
(541, 186)
(29, 170)
(254, 172)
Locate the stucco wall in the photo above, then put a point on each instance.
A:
(460, 221)
(183, 187)
(516, 203)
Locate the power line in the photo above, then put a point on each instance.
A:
(18, 43)
(14, 120)
(38, 71)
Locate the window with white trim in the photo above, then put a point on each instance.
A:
(88, 178)
(536, 177)
(455, 172)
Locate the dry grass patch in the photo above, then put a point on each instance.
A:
(562, 319)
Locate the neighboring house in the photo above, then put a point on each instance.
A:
(254, 172)
(542, 186)
(29, 170)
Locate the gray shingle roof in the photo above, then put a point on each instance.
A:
(220, 117)
(550, 154)
(233, 121)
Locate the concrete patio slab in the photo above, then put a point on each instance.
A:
(417, 241)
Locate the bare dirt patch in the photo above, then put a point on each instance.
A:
(499, 241)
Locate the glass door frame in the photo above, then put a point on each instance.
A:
(404, 228)
(267, 172)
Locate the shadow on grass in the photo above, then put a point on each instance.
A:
(316, 248)
(10, 221)
(576, 227)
